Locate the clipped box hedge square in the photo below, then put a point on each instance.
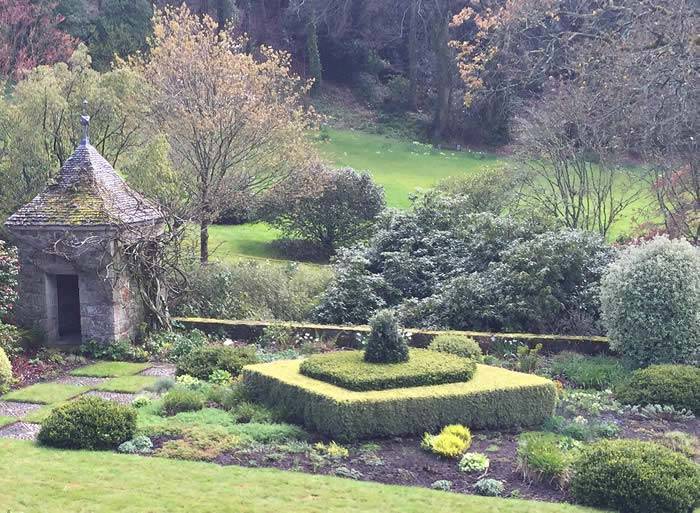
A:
(348, 369)
(494, 398)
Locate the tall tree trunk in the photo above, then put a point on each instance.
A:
(413, 55)
(204, 240)
(443, 75)
(315, 69)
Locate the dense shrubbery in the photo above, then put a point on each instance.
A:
(9, 268)
(636, 477)
(473, 271)
(252, 290)
(203, 361)
(348, 370)
(173, 345)
(651, 298)
(585, 371)
(89, 423)
(10, 339)
(674, 385)
(5, 372)
(459, 345)
(386, 343)
(341, 210)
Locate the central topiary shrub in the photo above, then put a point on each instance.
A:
(348, 369)
(635, 477)
(89, 423)
(386, 343)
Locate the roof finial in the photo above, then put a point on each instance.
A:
(85, 121)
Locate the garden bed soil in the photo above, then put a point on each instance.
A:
(401, 461)
(28, 371)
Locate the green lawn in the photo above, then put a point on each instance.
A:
(110, 369)
(45, 393)
(127, 384)
(39, 480)
(399, 165)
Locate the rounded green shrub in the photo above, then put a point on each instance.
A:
(459, 345)
(203, 361)
(88, 423)
(5, 372)
(650, 300)
(180, 399)
(674, 385)
(386, 343)
(635, 477)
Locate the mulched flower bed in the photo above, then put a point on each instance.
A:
(401, 460)
(28, 371)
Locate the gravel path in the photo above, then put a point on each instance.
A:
(82, 381)
(117, 397)
(160, 370)
(16, 409)
(20, 431)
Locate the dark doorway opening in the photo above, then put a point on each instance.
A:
(68, 305)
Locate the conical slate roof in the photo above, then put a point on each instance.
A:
(87, 192)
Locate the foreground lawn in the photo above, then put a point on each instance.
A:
(34, 479)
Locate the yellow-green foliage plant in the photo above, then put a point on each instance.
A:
(5, 372)
(452, 442)
(494, 398)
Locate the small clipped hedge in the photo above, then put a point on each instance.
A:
(675, 385)
(494, 398)
(5, 372)
(348, 369)
(459, 345)
(203, 361)
(88, 423)
(635, 477)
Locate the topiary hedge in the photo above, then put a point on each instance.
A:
(348, 369)
(89, 423)
(201, 362)
(635, 477)
(5, 372)
(675, 385)
(459, 345)
(494, 398)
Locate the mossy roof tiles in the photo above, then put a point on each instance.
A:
(87, 192)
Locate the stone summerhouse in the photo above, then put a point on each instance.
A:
(73, 286)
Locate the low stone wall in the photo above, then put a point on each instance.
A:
(347, 336)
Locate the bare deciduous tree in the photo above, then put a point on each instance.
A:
(235, 123)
